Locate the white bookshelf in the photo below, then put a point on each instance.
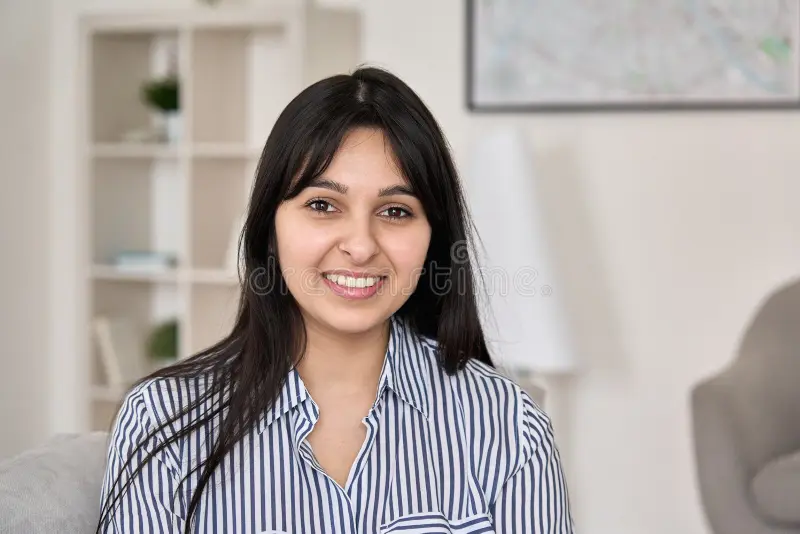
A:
(238, 68)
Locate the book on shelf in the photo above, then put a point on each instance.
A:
(144, 261)
(143, 268)
(121, 350)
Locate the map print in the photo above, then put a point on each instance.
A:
(562, 52)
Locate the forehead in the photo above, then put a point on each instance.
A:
(364, 158)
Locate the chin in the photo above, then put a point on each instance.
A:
(351, 321)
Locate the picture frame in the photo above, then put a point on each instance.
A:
(584, 55)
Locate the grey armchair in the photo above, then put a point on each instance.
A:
(746, 424)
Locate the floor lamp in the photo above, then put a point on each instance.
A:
(530, 334)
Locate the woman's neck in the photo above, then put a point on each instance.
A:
(343, 364)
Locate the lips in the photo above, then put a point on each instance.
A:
(350, 281)
(353, 287)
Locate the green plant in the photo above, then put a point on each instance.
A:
(162, 343)
(162, 93)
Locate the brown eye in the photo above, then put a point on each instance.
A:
(319, 205)
(396, 212)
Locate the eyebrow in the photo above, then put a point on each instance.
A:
(398, 189)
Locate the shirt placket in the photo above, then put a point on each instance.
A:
(307, 417)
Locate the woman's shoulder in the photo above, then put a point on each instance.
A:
(494, 386)
(520, 427)
(488, 394)
(483, 387)
(162, 403)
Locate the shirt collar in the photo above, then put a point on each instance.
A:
(405, 371)
(292, 393)
(407, 367)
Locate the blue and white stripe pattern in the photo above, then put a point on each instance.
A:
(469, 453)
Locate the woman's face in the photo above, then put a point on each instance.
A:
(353, 243)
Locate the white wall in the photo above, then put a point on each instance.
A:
(24, 224)
(670, 229)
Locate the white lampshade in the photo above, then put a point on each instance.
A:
(531, 330)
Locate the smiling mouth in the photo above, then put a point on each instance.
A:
(352, 282)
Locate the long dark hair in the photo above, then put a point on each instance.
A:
(246, 370)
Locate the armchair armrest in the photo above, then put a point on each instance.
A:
(722, 472)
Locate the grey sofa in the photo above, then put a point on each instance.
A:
(54, 488)
(746, 424)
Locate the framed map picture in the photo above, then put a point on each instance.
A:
(563, 55)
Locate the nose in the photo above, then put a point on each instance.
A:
(358, 241)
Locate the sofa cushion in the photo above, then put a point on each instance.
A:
(776, 489)
(54, 488)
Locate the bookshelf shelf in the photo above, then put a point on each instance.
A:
(237, 68)
(133, 150)
(143, 150)
(224, 150)
(111, 272)
(213, 277)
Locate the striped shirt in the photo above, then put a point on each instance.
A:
(468, 453)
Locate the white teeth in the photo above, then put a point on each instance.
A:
(349, 281)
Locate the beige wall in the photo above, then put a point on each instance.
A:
(24, 223)
(670, 228)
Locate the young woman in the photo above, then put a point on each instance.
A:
(355, 393)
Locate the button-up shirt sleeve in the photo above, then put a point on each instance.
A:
(535, 500)
(150, 503)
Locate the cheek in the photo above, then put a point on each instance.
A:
(300, 245)
(408, 254)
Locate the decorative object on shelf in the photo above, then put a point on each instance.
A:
(120, 349)
(139, 261)
(163, 95)
(347, 5)
(142, 135)
(552, 55)
(162, 343)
